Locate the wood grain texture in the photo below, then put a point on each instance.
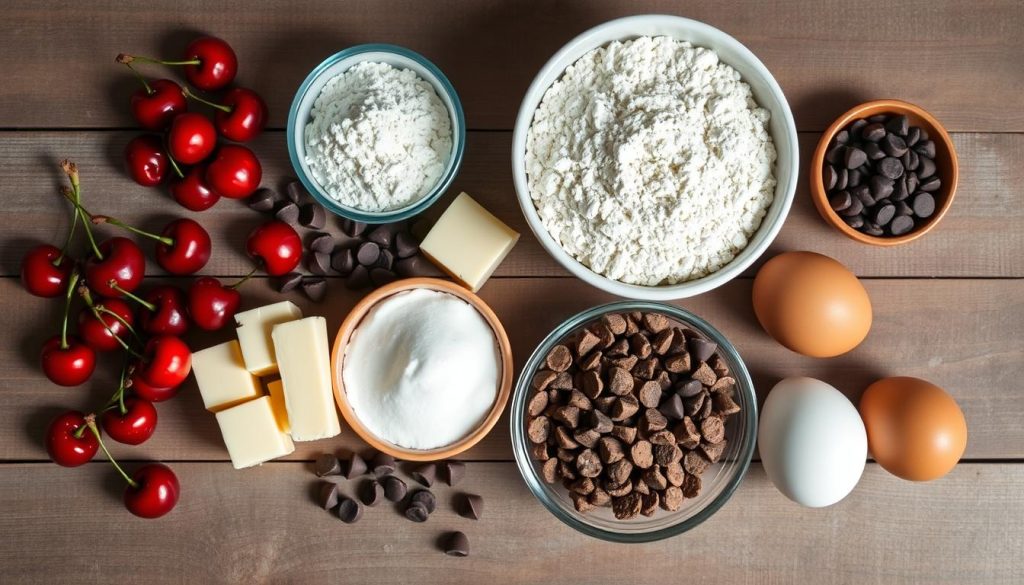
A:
(960, 334)
(981, 236)
(959, 60)
(261, 526)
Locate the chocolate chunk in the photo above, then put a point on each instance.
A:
(538, 429)
(903, 209)
(910, 160)
(588, 463)
(890, 167)
(349, 511)
(650, 394)
(322, 242)
(289, 282)
(295, 192)
(623, 408)
(452, 472)
(327, 495)
(691, 484)
(367, 253)
(381, 276)
(288, 213)
(472, 506)
(686, 433)
(854, 157)
(313, 216)
(426, 498)
(537, 403)
(712, 429)
(842, 137)
(314, 287)
(426, 474)
(352, 228)
(655, 322)
(343, 261)
(263, 200)
(394, 488)
(382, 464)
(372, 492)
(829, 177)
(923, 205)
(599, 422)
(413, 266)
(417, 512)
(405, 245)
(318, 263)
(842, 178)
(559, 358)
(667, 454)
(694, 463)
(358, 279)
(326, 464)
(456, 544)
(652, 421)
(548, 470)
(722, 403)
(641, 454)
(353, 467)
(863, 194)
(713, 451)
(834, 155)
(627, 507)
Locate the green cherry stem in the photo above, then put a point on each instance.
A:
(117, 400)
(90, 421)
(148, 305)
(188, 94)
(142, 80)
(67, 309)
(174, 163)
(127, 59)
(74, 195)
(243, 279)
(98, 219)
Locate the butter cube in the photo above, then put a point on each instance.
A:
(468, 242)
(254, 328)
(304, 361)
(276, 390)
(222, 378)
(251, 433)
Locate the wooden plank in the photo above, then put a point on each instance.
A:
(960, 334)
(961, 61)
(260, 525)
(978, 238)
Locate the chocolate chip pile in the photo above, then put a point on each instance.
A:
(383, 483)
(880, 175)
(365, 255)
(629, 413)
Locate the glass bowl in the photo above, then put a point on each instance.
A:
(399, 57)
(719, 481)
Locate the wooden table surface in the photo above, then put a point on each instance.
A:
(949, 308)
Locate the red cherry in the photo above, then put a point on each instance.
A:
(277, 245)
(135, 426)
(211, 304)
(155, 104)
(68, 366)
(192, 192)
(168, 314)
(155, 492)
(145, 160)
(101, 333)
(167, 362)
(44, 273)
(123, 264)
(234, 172)
(144, 390)
(217, 64)
(240, 116)
(185, 247)
(68, 441)
(191, 138)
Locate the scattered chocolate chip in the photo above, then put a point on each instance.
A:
(289, 282)
(367, 253)
(382, 276)
(322, 242)
(358, 279)
(426, 498)
(372, 492)
(263, 200)
(318, 263)
(295, 192)
(382, 464)
(327, 495)
(426, 474)
(381, 235)
(314, 287)
(394, 488)
(353, 467)
(452, 472)
(472, 506)
(352, 228)
(343, 261)
(349, 511)
(326, 464)
(313, 216)
(456, 544)
(288, 213)
(405, 245)
(413, 266)
(417, 512)
(901, 225)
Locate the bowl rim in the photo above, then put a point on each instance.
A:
(936, 132)
(524, 461)
(765, 232)
(437, 80)
(351, 323)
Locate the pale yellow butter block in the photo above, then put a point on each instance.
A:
(251, 433)
(303, 359)
(253, 331)
(222, 378)
(276, 390)
(468, 242)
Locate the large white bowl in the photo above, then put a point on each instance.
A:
(767, 93)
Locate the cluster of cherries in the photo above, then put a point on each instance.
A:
(184, 143)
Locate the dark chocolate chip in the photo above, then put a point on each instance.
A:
(910, 160)
(913, 182)
(382, 276)
(840, 200)
(890, 167)
(863, 193)
(925, 148)
(913, 135)
(343, 261)
(855, 221)
(313, 216)
(426, 498)
(394, 488)
(689, 388)
(893, 145)
(931, 184)
(381, 235)
(327, 495)
(842, 137)
(295, 192)
(413, 266)
(900, 225)
(923, 205)
(322, 242)
(856, 126)
(853, 157)
(371, 492)
(349, 510)
(834, 155)
(900, 191)
(926, 168)
(352, 228)
(872, 229)
(884, 214)
(855, 208)
(456, 544)
(417, 512)
(289, 282)
(873, 132)
(405, 245)
(368, 253)
(880, 186)
(314, 287)
(358, 279)
(288, 213)
(854, 178)
(426, 474)
(873, 151)
(353, 467)
(878, 118)
(898, 125)
(452, 472)
(672, 407)
(326, 464)
(318, 263)
(382, 464)
(701, 350)
(263, 200)
(841, 178)
(902, 208)
(469, 506)
(385, 260)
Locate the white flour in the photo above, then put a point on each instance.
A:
(379, 137)
(650, 162)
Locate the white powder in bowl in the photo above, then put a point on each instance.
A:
(422, 369)
(379, 138)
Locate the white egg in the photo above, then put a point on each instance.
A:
(812, 442)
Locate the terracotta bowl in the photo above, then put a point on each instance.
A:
(946, 167)
(351, 323)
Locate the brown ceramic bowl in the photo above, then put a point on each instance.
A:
(351, 323)
(946, 167)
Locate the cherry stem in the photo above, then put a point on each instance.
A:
(97, 309)
(174, 164)
(74, 195)
(72, 171)
(67, 309)
(117, 400)
(188, 93)
(79, 432)
(244, 278)
(98, 219)
(90, 420)
(148, 305)
(126, 59)
(142, 80)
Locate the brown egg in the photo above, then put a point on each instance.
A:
(811, 304)
(915, 429)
